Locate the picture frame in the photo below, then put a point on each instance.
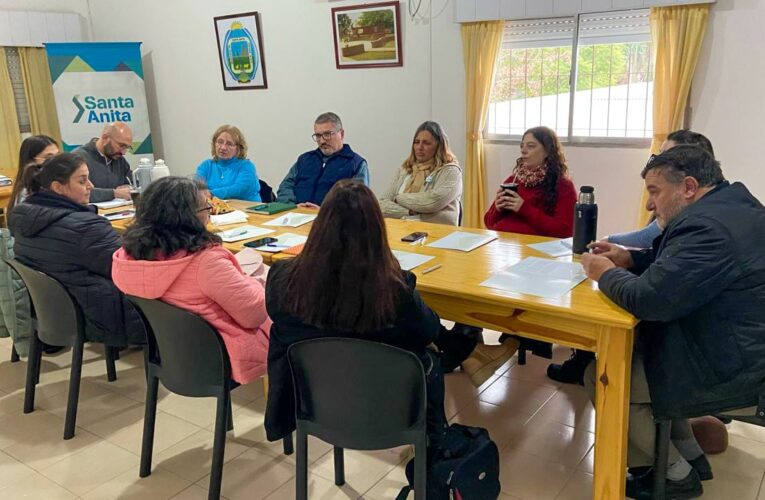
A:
(367, 36)
(240, 51)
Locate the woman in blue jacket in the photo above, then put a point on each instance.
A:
(229, 174)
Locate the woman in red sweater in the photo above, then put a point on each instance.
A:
(544, 203)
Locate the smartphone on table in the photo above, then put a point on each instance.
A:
(414, 236)
(260, 242)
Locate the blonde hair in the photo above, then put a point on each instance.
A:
(235, 134)
(443, 155)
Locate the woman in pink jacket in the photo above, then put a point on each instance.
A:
(169, 254)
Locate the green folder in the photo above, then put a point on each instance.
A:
(270, 208)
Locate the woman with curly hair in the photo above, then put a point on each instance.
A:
(543, 204)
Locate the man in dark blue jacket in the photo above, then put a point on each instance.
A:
(315, 172)
(700, 293)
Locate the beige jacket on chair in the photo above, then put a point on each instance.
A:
(437, 202)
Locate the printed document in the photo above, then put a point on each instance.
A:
(291, 220)
(460, 240)
(409, 260)
(555, 248)
(243, 233)
(534, 276)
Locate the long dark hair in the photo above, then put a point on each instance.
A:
(31, 147)
(59, 168)
(346, 277)
(166, 221)
(556, 165)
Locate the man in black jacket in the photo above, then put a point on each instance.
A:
(700, 293)
(109, 170)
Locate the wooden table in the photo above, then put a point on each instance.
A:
(583, 318)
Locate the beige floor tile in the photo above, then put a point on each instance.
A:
(253, 475)
(530, 477)
(748, 431)
(579, 487)
(11, 403)
(319, 489)
(20, 427)
(555, 442)
(191, 458)
(193, 492)
(126, 430)
(130, 383)
(460, 391)
(316, 449)
(535, 369)
(730, 486)
(363, 469)
(521, 395)
(42, 450)
(88, 469)
(743, 458)
(13, 375)
(248, 423)
(569, 406)
(198, 411)
(588, 462)
(389, 486)
(11, 470)
(502, 422)
(247, 393)
(94, 404)
(761, 496)
(161, 484)
(35, 487)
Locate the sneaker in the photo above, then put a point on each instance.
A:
(572, 370)
(700, 464)
(641, 487)
(486, 359)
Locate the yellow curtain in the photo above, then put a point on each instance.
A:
(480, 46)
(10, 135)
(39, 92)
(677, 34)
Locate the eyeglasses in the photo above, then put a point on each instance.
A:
(324, 135)
(228, 144)
(123, 146)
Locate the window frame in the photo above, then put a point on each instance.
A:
(570, 138)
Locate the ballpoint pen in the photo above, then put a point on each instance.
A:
(238, 233)
(431, 269)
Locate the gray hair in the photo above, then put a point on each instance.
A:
(329, 117)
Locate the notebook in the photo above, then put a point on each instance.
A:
(270, 208)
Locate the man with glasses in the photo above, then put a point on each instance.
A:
(109, 170)
(315, 172)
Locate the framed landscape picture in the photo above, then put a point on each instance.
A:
(367, 36)
(240, 50)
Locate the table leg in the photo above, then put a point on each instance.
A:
(612, 411)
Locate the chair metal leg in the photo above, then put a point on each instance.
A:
(219, 444)
(663, 430)
(39, 362)
(301, 478)
(420, 468)
(33, 373)
(149, 421)
(521, 356)
(14, 355)
(111, 370)
(230, 420)
(339, 466)
(287, 444)
(116, 353)
(74, 389)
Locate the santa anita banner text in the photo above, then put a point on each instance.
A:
(95, 84)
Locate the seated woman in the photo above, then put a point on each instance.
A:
(429, 183)
(347, 283)
(34, 149)
(169, 254)
(229, 173)
(58, 233)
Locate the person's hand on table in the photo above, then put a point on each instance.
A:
(615, 253)
(595, 265)
(308, 204)
(122, 192)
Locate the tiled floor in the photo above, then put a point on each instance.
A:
(544, 431)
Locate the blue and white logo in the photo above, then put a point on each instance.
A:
(240, 56)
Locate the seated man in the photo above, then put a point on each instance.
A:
(699, 292)
(315, 172)
(105, 156)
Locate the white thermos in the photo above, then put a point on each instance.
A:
(159, 170)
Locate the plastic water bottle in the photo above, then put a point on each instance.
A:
(142, 174)
(160, 170)
(585, 220)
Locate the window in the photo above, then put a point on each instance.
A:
(17, 83)
(609, 57)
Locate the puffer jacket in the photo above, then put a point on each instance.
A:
(15, 309)
(209, 283)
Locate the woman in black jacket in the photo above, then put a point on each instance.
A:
(347, 283)
(57, 232)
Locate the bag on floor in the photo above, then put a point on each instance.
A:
(465, 467)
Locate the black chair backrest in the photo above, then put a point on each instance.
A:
(59, 317)
(188, 352)
(266, 192)
(357, 394)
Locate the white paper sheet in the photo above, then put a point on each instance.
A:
(535, 276)
(283, 242)
(243, 233)
(125, 214)
(460, 240)
(235, 217)
(116, 202)
(409, 260)
(291, 220)
(556, 248)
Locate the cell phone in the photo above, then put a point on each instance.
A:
(509, 186)
(260, 242)
(414, 236)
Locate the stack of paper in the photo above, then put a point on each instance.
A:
(116, 202)
(555, 248)
(291, 220)
(460, 240)
(283, 241)
(409, 260)
(235, 217)
(535, 276)
(125, 214)
(243, 233)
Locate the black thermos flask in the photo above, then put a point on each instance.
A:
(585, 220)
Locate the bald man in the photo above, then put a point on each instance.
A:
(105, 156)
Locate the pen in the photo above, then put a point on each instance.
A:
(275, 245)
(130, 183)
(431, 269)
(239, 233)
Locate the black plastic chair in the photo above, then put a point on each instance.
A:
(266, 192)
(196, 364)
(59, 322)
(360, 395)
